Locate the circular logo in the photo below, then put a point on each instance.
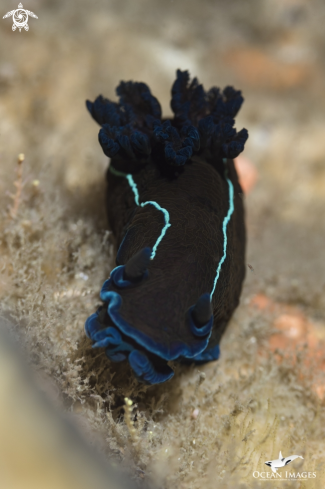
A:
(20, 18)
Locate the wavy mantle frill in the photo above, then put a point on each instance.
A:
(133, 130)
(147, 357)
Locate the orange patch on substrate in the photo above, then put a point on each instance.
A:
(247, 173)
(261, 301)
(294, 333)
(259, 69)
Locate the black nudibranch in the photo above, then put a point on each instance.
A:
(174, 204)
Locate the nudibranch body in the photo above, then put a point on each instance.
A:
(175, 207)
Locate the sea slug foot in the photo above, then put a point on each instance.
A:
(146, 372)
